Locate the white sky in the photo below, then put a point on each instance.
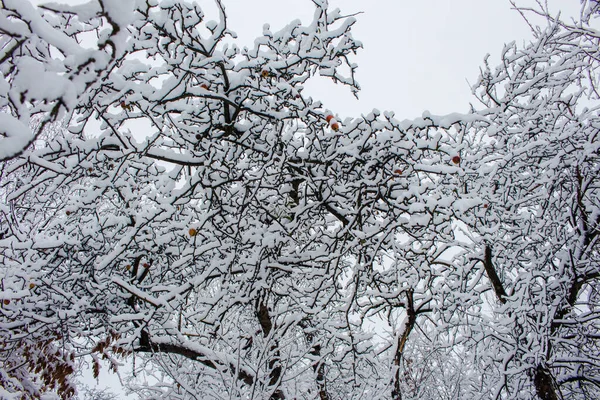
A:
(418, 55)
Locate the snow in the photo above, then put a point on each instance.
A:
(33, 80)
(119, 11)
(305, 237)
(43, 29)
(17, 136)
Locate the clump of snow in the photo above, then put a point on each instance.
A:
(17, 136)
(119, 11)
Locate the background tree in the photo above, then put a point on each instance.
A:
(535, 165)
(178, 201)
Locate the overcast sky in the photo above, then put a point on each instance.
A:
(418, 55)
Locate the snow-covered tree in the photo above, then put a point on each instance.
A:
(534, 162)
(191, 206)
(176, 201)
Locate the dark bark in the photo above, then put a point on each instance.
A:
(493, 275)
(275, 370)
(545, 384)
(411, 319)
(147, 346)
(318, 365)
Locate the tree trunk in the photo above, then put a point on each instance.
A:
(545, 384)
(411, 319)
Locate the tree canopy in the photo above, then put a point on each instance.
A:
(175, 203)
